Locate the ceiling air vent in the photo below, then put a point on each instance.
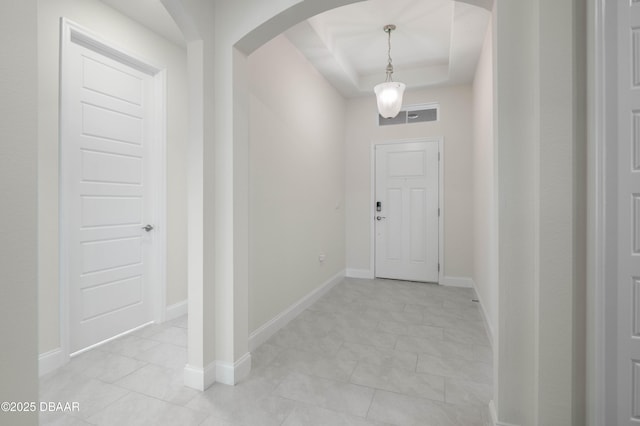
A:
(412, 114)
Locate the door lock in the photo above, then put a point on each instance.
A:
(380, 217)
(147, 228)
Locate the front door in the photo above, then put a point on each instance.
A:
(406, 211)
(107, 129)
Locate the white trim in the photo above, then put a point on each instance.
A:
(418, 107)
(463, 282)
(499, 423)
(50, 361)
(231, 374)
(415, 107)
(485, 317)
(441, 259)
(70, 32)
(372, 229)
(372, 200)
(117, 336)
(158, 169)
(598, 103)
(200, 378)
(217, 371)
(64, 253)
(92, 41)
(492, 412)
(366, 274)
(176, 310)
(56, 358)
(264, 332)
(494, 416)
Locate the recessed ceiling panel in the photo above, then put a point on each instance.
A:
(436, 42)
(356, 31)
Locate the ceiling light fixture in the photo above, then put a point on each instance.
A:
(389, 94)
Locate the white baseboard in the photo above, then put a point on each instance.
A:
(487, 323)
(50, 361)
(231, 374)
(270, 328)
(492, 411)
(200, 378)
(175, 311)
(217, 371)
(494, 416)
(456, 282)
(366, 274)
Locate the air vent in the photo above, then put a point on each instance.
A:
(412, 114)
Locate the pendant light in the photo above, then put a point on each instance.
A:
(389, 94)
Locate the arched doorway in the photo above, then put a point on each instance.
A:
(233, 35)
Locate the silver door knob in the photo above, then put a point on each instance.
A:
(148, 228)
(380, 217)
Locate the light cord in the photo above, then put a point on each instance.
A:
(389, 64)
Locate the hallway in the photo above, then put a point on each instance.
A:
(370, 352)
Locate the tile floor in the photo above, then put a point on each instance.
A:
(370, 352)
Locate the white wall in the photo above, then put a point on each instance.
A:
(134, 38)
(562, 262)
(18, 212)
(296, 180)
(485, 252)
(517, 141)
(218, 332)
(455, 126)
(18, 99)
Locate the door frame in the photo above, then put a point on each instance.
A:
(601, 318)
(372, 226)
(70, 33)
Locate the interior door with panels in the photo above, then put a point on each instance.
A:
(107, 129)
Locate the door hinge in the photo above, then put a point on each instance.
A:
(438, 267)
(438, 211)
(438, 156)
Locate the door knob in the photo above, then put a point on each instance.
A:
(148, 228)
(380, 217)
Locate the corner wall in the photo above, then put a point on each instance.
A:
(219, 331)
(454, 126)
(296, 180)
(485, 250)
(18, 214)
(133, 37)
(540, 144)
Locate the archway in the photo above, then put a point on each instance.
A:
(218, 218)
(218, 209)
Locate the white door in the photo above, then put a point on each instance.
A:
(406, 211)
(107, 129)
(629, 212)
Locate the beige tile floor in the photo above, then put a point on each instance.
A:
(370, 352)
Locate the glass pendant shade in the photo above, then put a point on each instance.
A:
(389, 96)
